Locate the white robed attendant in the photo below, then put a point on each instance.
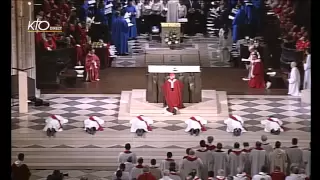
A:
(307, 73)
(55, 122)
(272, 123)
(141, 122)
(234, 122)
(93, 122)
(294, 80)
(196, 122)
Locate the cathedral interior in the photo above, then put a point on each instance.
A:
(79, 154)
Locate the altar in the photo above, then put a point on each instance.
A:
(166, 28)
(190, 76)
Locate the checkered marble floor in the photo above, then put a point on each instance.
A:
(73, 174)
(208, 52)
(295, 114)
(100, 151)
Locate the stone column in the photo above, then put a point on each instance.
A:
(14, 63)
(23, 42)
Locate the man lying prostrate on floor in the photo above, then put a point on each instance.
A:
(54, 124)
(235, 125)
(195, 125)
(140, 125)
(272, 125)
(93, 124)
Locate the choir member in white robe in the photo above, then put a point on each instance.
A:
(125, 175)
(234, 122)
(210, 175)
(195, 125)
(155, 170)
(295, 154)
(140, 125)
(123, 156)
(210, 145)
(278, 157)
(220, 159)
(294, 80)
(265, 145)
(137, 170)
(294, 174)
(173, 171)
(129, 164)
(165, 164)
(263, 174)
(307, 71)
(258, 158)
(246, 150)
(166, 175)
(93, 124)
(272, 125)
(237, 159)
(54, 124)
(221, 175)
(190, 163)
(307, 160)
(206, 157)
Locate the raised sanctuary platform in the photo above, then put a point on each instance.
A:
(214, 106)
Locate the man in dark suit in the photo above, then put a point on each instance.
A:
(193, 15)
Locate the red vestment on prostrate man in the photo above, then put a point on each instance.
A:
(257, 74)
(172, 91)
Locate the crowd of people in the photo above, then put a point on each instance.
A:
(211, 161)
(295, 37)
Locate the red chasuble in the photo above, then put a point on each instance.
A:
(258, 80)
(91, 69)
(173, 95)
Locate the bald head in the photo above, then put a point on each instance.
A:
(293, 64)
(146, 169)
(264, 138)
(191, 152)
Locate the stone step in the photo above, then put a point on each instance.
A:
(134, 103)
(178, 117)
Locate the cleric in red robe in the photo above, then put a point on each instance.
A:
(79, 52)
(50, 43)
(257, 73)
(82, 33)
(92, 66)
(172, 91)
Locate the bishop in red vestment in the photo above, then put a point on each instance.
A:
(172, 91)
(257, 73)
(92, 66)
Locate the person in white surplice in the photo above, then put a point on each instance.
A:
(294, 80)
(272, 125)
(93, 124)
(141, 124)
(195, 125)
(54, 124)
(235, 125)
(307, 71)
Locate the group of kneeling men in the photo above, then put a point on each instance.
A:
(142, 124)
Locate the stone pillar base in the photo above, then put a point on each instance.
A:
(306, 96)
